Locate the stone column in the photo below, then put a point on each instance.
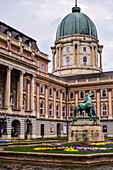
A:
(57, 56)
(76, 98)
(92, 56)
(110, 102)
(54, 103)
(32, 93)
(38, 102)
(22, 129)
(74, 59)
(46, 102)
(96, 64)
(61, 112)
(53, 55)
(67, 107)
(78, 54)
(28, 95)
(7, 88)
(98, 103)
(100, 59)
(21, 90)
(9, 128)
(60, 56)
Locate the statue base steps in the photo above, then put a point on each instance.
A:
(83, 129)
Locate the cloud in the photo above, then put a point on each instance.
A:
(40, 19)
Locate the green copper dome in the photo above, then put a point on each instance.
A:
(76, 23)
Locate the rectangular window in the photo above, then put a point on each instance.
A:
(42, 89)
(42, 68)
(63, 95)
(50, 91)
(57, 111)
(64, 111)
(67, 61)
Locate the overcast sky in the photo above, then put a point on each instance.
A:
(39, 19)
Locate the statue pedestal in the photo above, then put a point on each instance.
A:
(85, 129)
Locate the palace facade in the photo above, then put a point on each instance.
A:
(35, 103)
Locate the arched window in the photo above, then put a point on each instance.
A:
(0, 98)
(12, 100)
(71, 111)
(63, 95)
(81, 95)
(57, 94)
(85, 61)
(67, 61)
(93, 93)
(24, 103)
(42, 89)
(64, 111)
(57, 110)
(50, 91)
(71, 95)
(41, 108)
(50, 109)
(104, 93)
(104, 110)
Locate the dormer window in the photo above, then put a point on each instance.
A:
(20, 39)
(10, 33)
(42, 68)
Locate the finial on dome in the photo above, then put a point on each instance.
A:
(76, 9)
(76, 3)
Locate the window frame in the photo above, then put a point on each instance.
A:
(71, 112)
(71, 98)
(84, 49)
(13, 99)
(42, 108)
(104, 110)
(41, 89)
(24, 103)
(85, 62)
(51, 92)
(102, 91)
(42, 68)
(57, 111)
(64, 111)
(80, 95)
(51, 109)
(57, 93)
(68, 63)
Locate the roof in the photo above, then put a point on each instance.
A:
(15, 34)
(76, 23)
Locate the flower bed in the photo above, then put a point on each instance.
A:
(90, 146)
(7, 141)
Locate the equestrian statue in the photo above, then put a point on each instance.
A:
(87, 106)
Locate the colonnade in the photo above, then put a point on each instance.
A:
(76, 59)
(8, 90)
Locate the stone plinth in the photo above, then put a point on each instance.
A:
(85, 129)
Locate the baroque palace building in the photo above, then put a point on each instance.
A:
(35, 103)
